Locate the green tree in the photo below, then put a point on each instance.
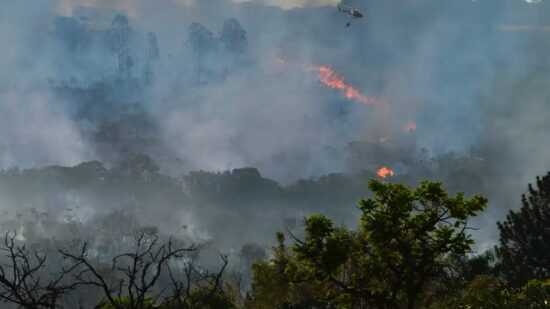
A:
(535, 294)
(273, 285)
(120, 37)
(202, 41)
(152, 55)
(491, 292)
(233, 36)
(208, 298)
(483, 292)
(403, 243)
(463, 271)
(199, 298)
(524, 249)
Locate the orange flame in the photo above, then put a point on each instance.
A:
(330, 79)
(385, 172)
(410, 126)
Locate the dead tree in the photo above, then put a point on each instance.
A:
(22, 277)
(195, 278)
(131, 281)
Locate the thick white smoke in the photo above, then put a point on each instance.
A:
(36, 131)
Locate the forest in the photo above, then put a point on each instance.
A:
(411, 248)
(274, 154)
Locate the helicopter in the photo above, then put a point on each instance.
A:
(353, 12)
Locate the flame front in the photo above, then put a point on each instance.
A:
(410, 126)
(332, 80)
(385, 172)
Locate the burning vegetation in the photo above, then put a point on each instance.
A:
(385, 172)
(410, 126)
(331, 79)
(116, 179)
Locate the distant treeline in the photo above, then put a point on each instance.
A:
(410, 249)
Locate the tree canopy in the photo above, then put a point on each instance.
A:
(411, 248)
(402, 244)
(524, 248)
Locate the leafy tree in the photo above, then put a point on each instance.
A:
(127, 303)
(72, 33)
(273, 285)
(251, 253)
(233, 37)
(524, 249)
(466, 268)
(138, 166)
(535, 294)
(120, 36)
(491, 292)
(242, 186)
(200, 288)
(208, 298)
(152, 55)
(403, 243)
(202, 41)
(462, 271)
(485, 291)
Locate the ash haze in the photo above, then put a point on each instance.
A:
(228, 141)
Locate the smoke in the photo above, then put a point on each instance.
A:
(36, 132)
(134, 7)
(289, 4)
(35, 128)
(464, 91)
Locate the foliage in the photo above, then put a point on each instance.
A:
(491, 292)
(200, 38)
(126, 303)
(202, 41)
(152, 55)
(403, 242)
(200, 298)
(208, 298)
(233, 36)
(120, 35)
(524, 249)
(273, 285)
(483, 291)
(411, 249)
